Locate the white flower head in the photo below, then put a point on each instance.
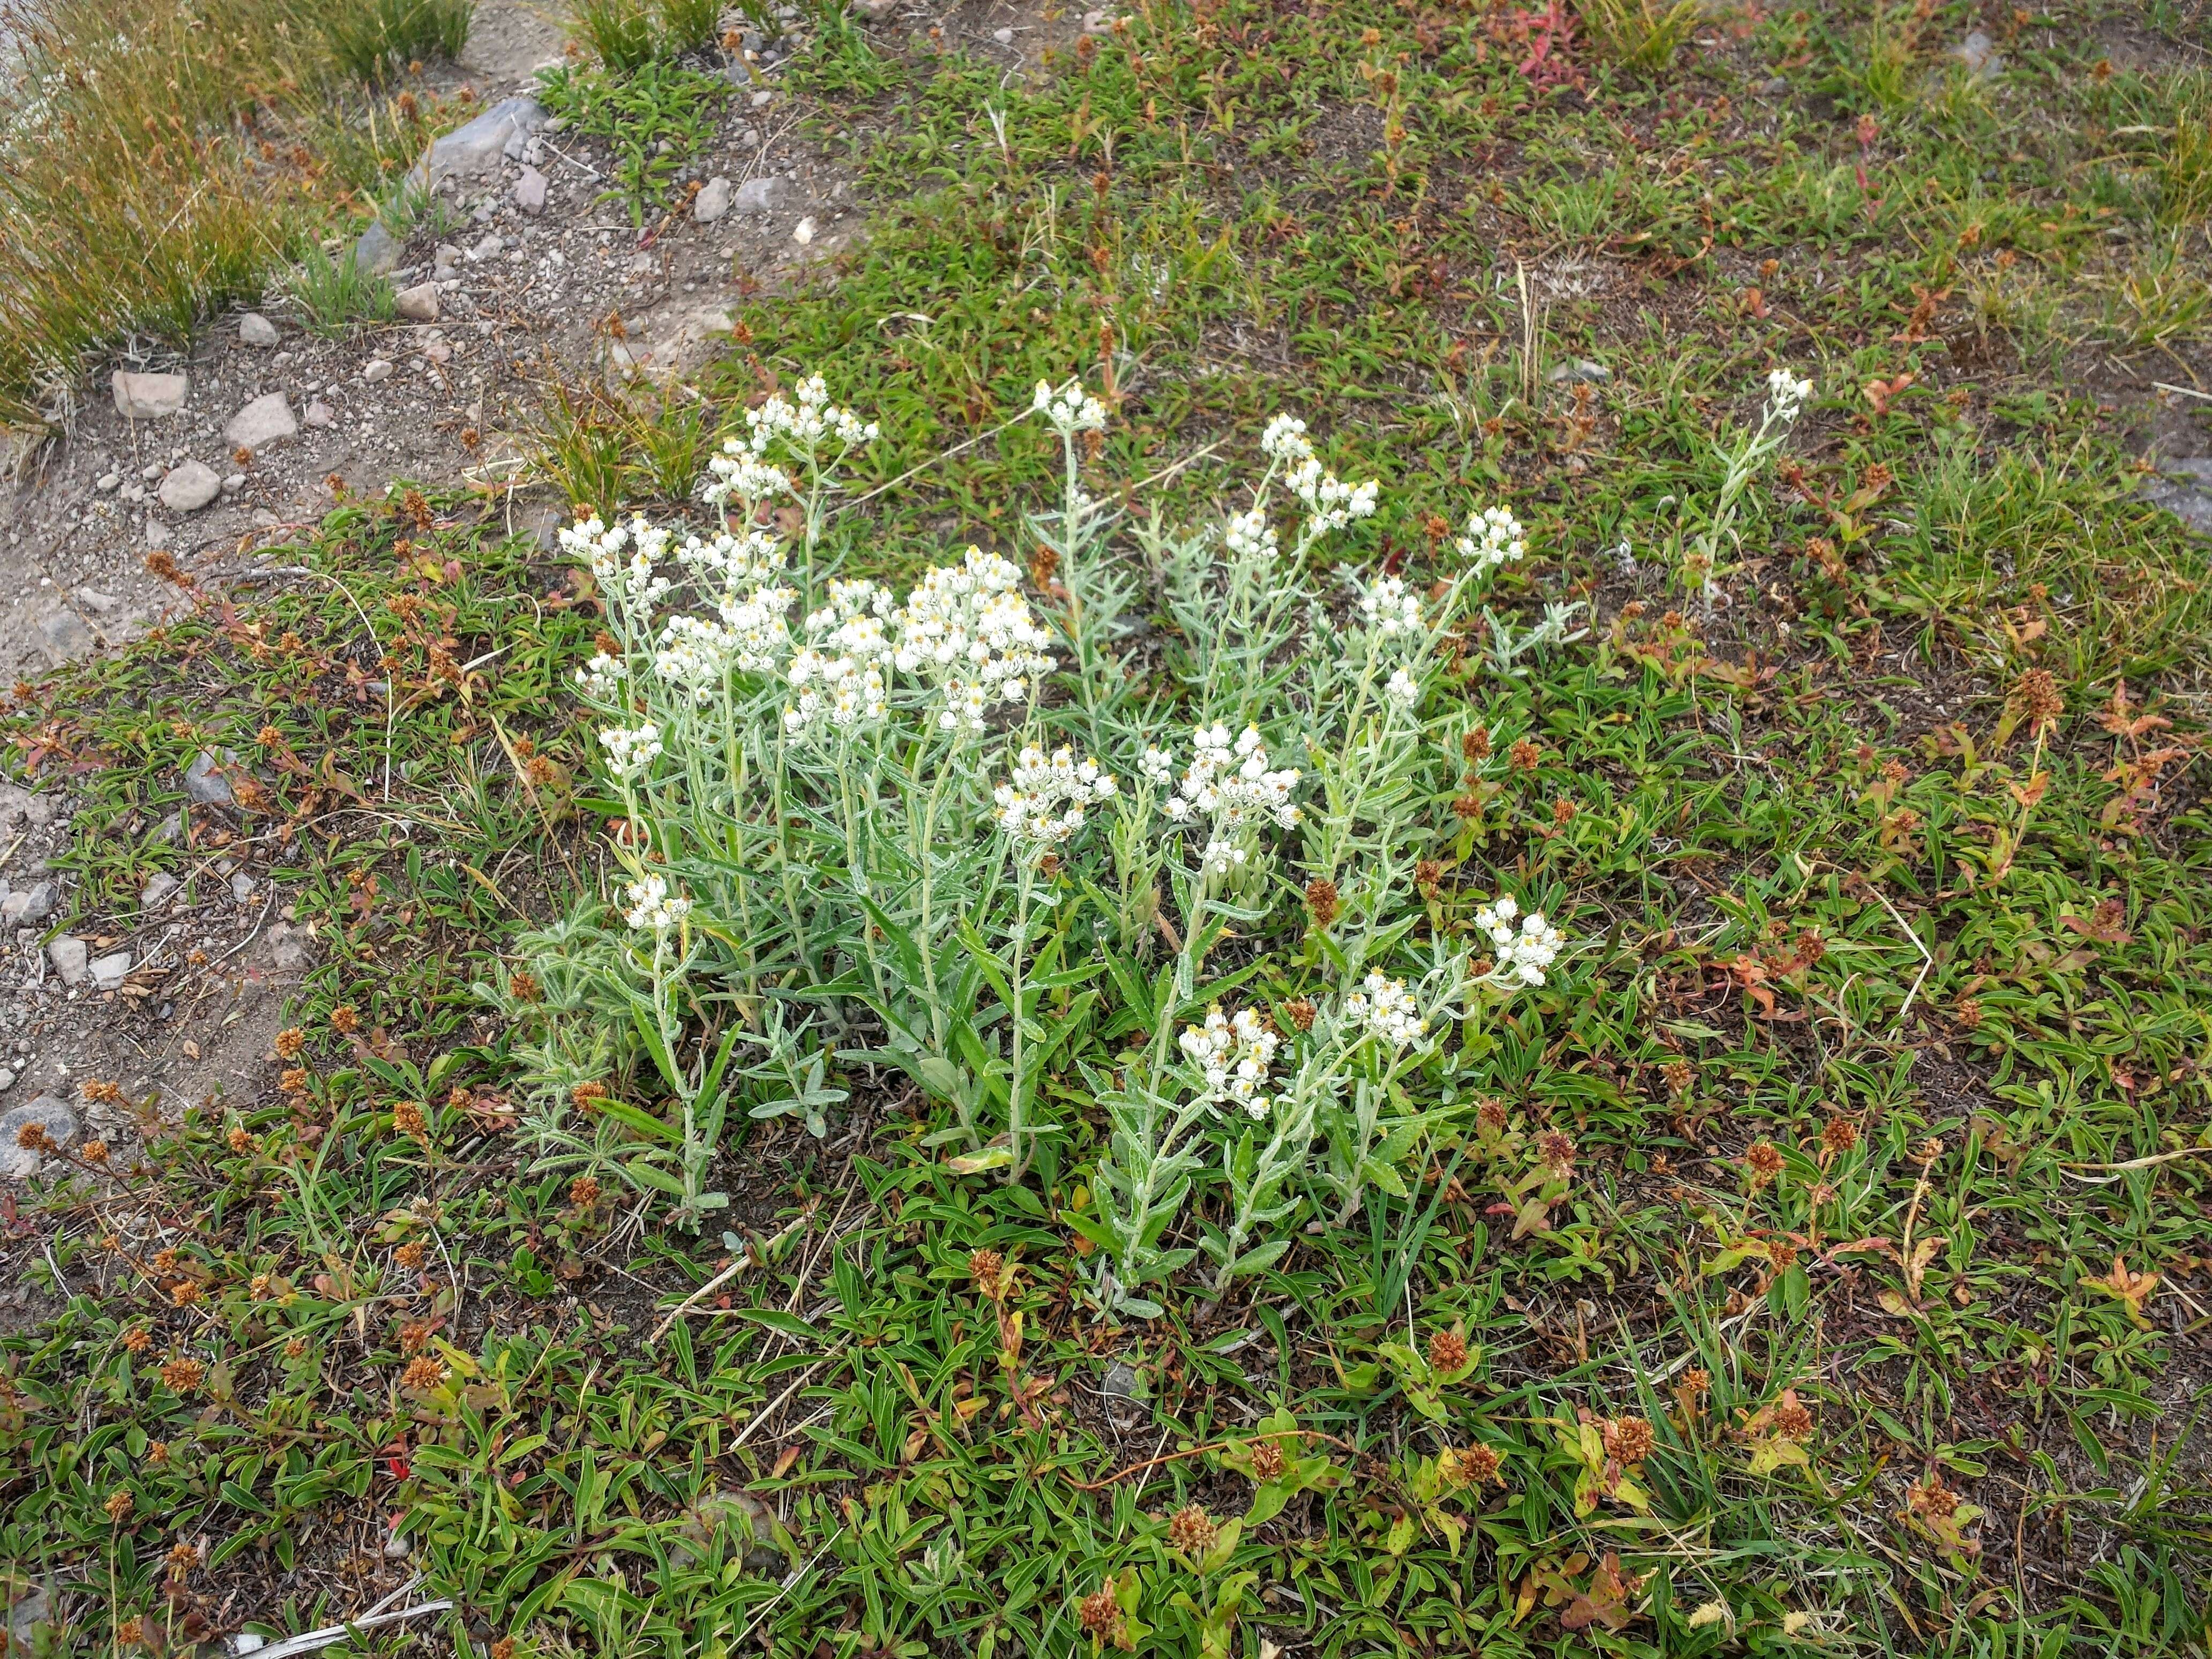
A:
(1156, 765)
(1392, 609)
(601, 679)
(1786, 394)
(695, 655)
(1285, 440)
(1494, 537)
(807, 423)
(1388, 1010)
(630, 750)
(652, 908)
(621, 559)
(739, 474)
(1331, 504)
(834, 693)
(1522, 952)
(966, 630)
(1249, 535)
(1044, 803)
(1070, 409)
(1232, 1055)
(1403, 690)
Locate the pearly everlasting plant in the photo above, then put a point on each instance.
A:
(986, 831)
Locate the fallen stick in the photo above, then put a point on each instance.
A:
(315, 1639)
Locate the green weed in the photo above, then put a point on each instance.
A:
(373, 39)
(336, 295)
(655, 115)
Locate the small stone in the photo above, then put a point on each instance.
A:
(321, 414)
(377, 252)
(803, 232)
(149, 397)
(68, 954)
(204, 781)
(875, 10)
(489, 248)
(21, 806)
(63, 636)
(233, 482)
(759, 195)
(287, 948)
(266, 420)
(1579, 369)
(530, 190)
(7, 1079)
(158, 534)
(93, 600)
(158, 888)
(17, 1161)
(190, 486)
(30, 906)
(152, 472)
(1004, 37)
(169, 828)
(712, 201)
(242, 886)
(1099, 22)
(1124, 1400)
(108, 972)
(107, 481)
(419, 304)
(1775, 86)
(378, 369)
(478, 147)
(256, 330)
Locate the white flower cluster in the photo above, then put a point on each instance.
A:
(1494, 537)
(694, 655)
(1043, 805)
(601, 547)
(843, 691)
(1330, 503)
(740, 473)
(759, 636)
(652, 906)
(1402, 688)
(804, 423)
(601, 679)
(1233, 1055)
(1786, 393)
(1249, 535)
(751, 558)
(967, 628)
(1392, 609)
(630, 751)
(1070, 410)
(1231, 790)
(1156, 765)
(1388, 1010)
(1524, 953)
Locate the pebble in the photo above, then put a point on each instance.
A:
(151, 471)
(149, 397)
(203, 779)
(190, 486)
(763, 100)
(712, 201)
(256, 330)
(30, 906)
(1579, 369)
(64, 636)
(419, 304)
(321, 414)
(489, 248)
(51, 1113)
(1004, 37)
(158, 888)
(93, 600)
(1979, 54)
(266, 420)
(803, 232)
(378, 369)
(7, 1079)
(1123, 1406)
(759, 195)
(1099, 22)
(158, 534)
(377, 252)
(233, 482)
(108, 972)
(68, 954)
(107, 481)
(242, 886)
(530, 190)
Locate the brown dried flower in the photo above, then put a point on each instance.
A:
(423, 1373)
(1321, 900)
(1791, 1420)
(525, 985)
(584, 1192)
(183, 1376)
(407, 1118)
(1678, 1074)
(411, 1256)
(138, 1338)
(1191, 1530)
(290, 1041)
(345, 1019)
(2037, 696)
(1476, 745)
(1469, 1465)
(119, 1505)
(1629, 1439)
(1491, 1115)
(183, 1293)
(1267, 1461)
(1931, 1500)
(1525, 755)
(1839, 1136)
(1300, 1011)
(157, 1452)
(987, 1268)
(1101, 1614)
(1447, 1351)
(1696, 1379)
(1557, 1148)
(94, 1152)
(182, 1560)
(1764, 1159)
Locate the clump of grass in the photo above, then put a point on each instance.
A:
(656, 116)
(625, 35)
(373, 40)
(1641, 34)
(337, 295)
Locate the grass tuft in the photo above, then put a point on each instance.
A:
(374, 39)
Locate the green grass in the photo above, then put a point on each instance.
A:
(1833, 871)
(655, 116)
(374, 40)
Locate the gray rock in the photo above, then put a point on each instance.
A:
(203, 779)
(7, 1079)
(30, 906)
(1099, 22)
(497, 135)
(1004, 37)
(2184, 488)
(18, 803)
(265, 421)
(158, 534)
(190, 486)
(256, 330)
(27, 1616)
(1980, 55)
(760, 195)
(287, 948)
(749, 1518)
(68, 954)
(150, 397)
(321, 414)
(875, 10)
(1775, 85)
(1579, 369)
(530, 190)
(242, 886)
(376, 369)
(377, 252)
(419, 304)
(109, 971)
(64, 636)
(168, 829)
(107, 481)
(93, 600)
(712, 201)
(491, 247)
(51, 1113)
(1124, 1394)
(233, 482)
(158, 887)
